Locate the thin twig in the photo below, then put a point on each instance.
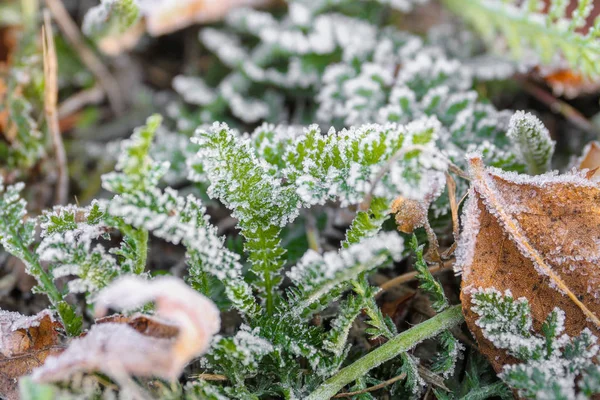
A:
(410, 276)
(372, 388)
(89, 58)
(50, 100)
(212, 377)
(451, 184)
(76, 102)
(560, 107)
(312, 233)
(432, 378)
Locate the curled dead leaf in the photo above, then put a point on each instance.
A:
(537, 237)
(410, 214)
(142, 346)
(590, 160)
(25, 342)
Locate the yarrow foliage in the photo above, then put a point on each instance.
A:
(524, 27)
(553, 365)
(276, 171)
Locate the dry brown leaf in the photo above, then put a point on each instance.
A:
(25, 342)
(143, 346)
(590, 160)
(166, 16)
(538, 237)
(410, 214)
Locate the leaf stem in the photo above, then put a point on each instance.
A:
(399, 344)
(65, 311)
(141, 244)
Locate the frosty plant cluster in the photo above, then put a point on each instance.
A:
(329, 121)
(267, 179)
(553, 365)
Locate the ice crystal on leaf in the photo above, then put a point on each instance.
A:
(239, 355)
(426, 280)
(553, 364)
(17, 235)
(532, 140)
(315, 275)
(68, 234)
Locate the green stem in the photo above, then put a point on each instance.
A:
(36, 270)
(399, 344)
(140, 238)
(141, 244)
(65, 311)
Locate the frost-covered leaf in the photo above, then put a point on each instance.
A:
(17, 235)
(25, 343)
(340, 326)
(118, 349)
(532, 141)
(413, 382)
(445, 362)
(556, 36)
(316, 274)
(135, 169)
(551, 364)
(238, 357)
(537, 237)
(68, 236)
(426, 280)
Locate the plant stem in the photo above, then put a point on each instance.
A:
(399, 344)
(65, 311)
(140, 238)
(87, 55)
(372, 388)
(36, 270)
(141, 242)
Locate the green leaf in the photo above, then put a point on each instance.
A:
(426, 280)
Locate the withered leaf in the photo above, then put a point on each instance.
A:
(539, 237)
(410, 214)
(145, 346)
(590, 160)
(25, 342)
